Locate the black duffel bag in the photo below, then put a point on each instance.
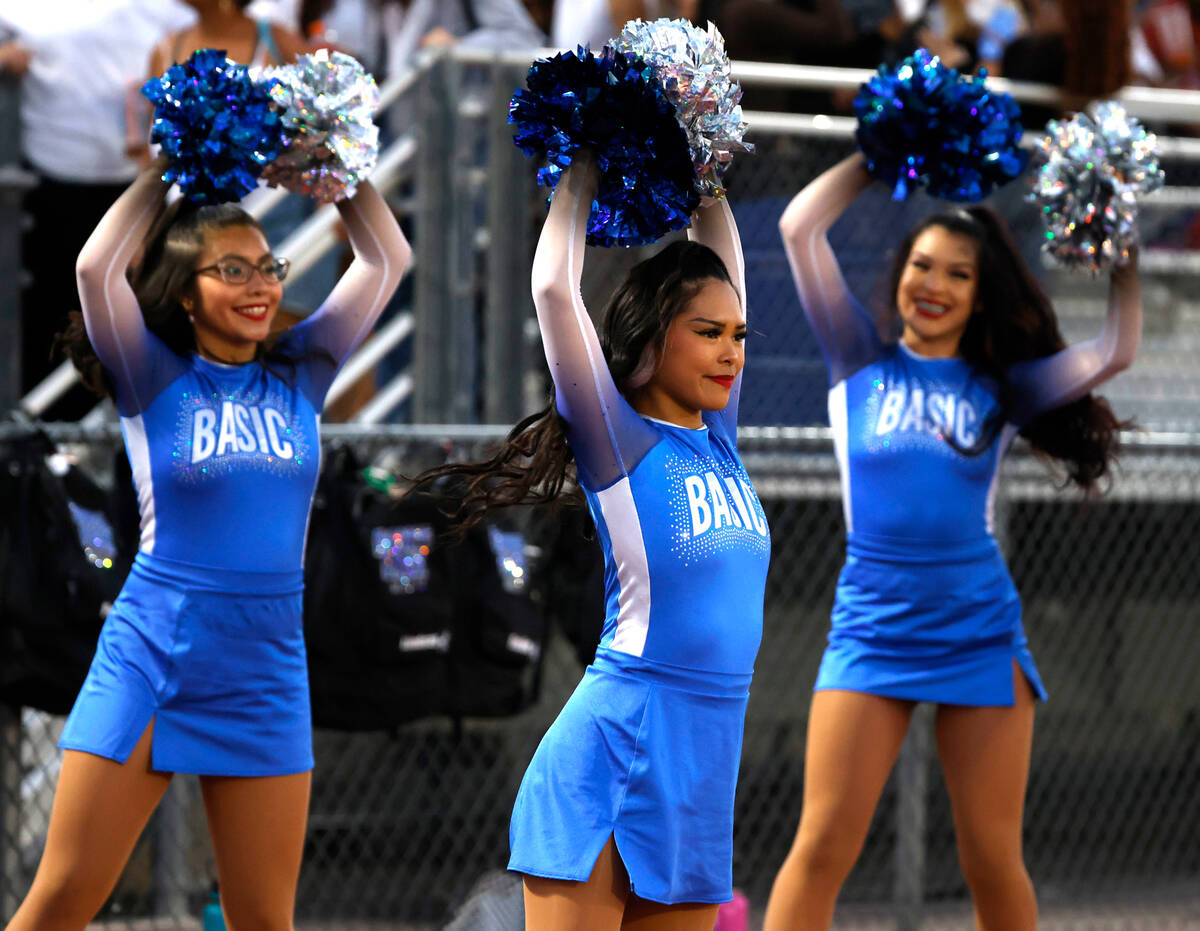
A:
(60, 570)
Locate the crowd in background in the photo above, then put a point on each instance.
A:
(81, 62)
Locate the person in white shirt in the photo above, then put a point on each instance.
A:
(77, 61)
(594, 22)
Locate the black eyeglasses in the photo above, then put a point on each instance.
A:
(236, 270)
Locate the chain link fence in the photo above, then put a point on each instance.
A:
(404, 825)
(408, 829)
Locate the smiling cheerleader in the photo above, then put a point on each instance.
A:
(201, 665)
(925, 609)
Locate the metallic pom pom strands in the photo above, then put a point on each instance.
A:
(331, 142)
(612, 104)
(1090, 170)
(694, 70)
(924, 124)
(218, 127)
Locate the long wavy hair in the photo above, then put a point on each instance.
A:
(535, 465)
(1014, 322)
(160, 280)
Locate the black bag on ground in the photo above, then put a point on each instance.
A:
(60, 571)
(500, 618)
(378, 610)
(574, 581)
(403, 620)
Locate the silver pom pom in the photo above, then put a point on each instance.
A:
(1090, 170)
(332, 142)
(692, 65)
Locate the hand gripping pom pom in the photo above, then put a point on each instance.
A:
(613, 105)
(1090, 170)
(692, 66)
(215, 124)
(331, 142)
(924, 124)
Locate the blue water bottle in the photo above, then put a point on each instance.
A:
(212, 919)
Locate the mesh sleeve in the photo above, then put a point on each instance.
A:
(843, 329)
(138, 363)
(1044, 384)
(342, 322)
(606, 434)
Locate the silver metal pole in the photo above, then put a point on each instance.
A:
(172, 842)
(10, 811)
(510, 190)
(433, 245)
(912, 817)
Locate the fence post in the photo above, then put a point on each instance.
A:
(912, 815)
(435, 192)
(10, 810)
(443, 365)
(509, 306)
(13, 184)
(172, 842)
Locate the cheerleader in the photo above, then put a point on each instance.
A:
(200, 667)
(925, 609)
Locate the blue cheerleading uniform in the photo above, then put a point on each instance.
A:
(646, 750)
(925, 608)
(206, 636)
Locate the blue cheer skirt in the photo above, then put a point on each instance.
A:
(215, 658)
(925, 622)
(647, 754)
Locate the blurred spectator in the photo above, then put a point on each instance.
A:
(817, 33)
(410, 25)
(219, 24)
(542, 13)
(1096, 40)
(594, 22)
(77, 60)
(845, 33)
(1166, 40)
(226, 24)
(385, 34)
(1037, 54)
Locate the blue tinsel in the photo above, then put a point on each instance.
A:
(613, 105)
(925, 124)
(218, 127)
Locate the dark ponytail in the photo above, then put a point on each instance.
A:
(1015, 322)
(535, 464)
(160, 280)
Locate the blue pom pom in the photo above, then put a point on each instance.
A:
(923, 124)
(218, 127)
(613, 105)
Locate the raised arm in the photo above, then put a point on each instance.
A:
(381, 255)
(843, 329)
(132, 356)
(714, 226)
(1043, 384)
(607, 436)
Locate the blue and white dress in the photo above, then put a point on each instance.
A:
(647, 748)
(925, 607)
(206, 637)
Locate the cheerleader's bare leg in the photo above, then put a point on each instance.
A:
(595, 905)
(604, 903)
(853, 741)
(100, 809)
(257, 826)
(985, 758)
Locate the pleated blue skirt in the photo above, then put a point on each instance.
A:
(215, 658)
(647, 754)
(927, 623)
